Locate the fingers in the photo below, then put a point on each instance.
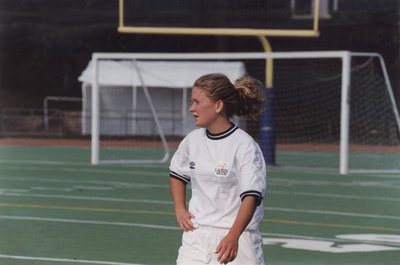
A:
(184, 221)
(218, 249)
(186, 225)
(227, 256)
(234, 255)
(226, 253)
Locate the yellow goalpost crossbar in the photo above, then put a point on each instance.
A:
(221, 31)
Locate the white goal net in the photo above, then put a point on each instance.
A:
(330, 110)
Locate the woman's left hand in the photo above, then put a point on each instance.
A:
(227, 249)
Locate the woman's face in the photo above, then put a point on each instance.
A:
(203, 109)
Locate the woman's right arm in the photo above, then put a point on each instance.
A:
(183, 216)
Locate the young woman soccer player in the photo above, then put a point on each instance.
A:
(227, 173)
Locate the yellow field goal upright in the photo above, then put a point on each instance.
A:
(227, 31)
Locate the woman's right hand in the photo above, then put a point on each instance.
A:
(184, 220)
(178, 192)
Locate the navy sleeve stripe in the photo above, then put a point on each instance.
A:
(252, 193)
(179, 177)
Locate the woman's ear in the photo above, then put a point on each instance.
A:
(219, 106)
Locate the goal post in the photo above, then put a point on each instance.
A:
(392, 106)
(345, 114)
(321, 97)
(95, 121)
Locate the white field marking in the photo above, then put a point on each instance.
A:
(93, 188)
(121, 184)
(66, 163)
(71, 189)
(280, 184)
(311, 194)
(381, 238)
(65, 260)
(331, 155)
(311, 154)
(55, 196)
(54, 189)
(386, 184)
(170, 203)
(386, 176)
(71, 197)
(325, 246)
(377, 183)
(43, 162)
(330, 195)
(10, 194)
(368, 184)
(13, 190)
(92, 222)
(98, 170)
(289, 170)
(340, 238)
(332, 172)
(333, 213)
(304, 244)
(324, 212)
(128, 185)
(117, 184)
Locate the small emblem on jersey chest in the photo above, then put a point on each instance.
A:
(192, 164)
(222, 169)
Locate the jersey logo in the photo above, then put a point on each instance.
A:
(222, 169)
(192, 164)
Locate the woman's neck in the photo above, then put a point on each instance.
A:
(219, 127)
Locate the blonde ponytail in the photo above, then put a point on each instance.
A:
(251, 96)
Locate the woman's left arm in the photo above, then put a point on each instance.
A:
(228, 247)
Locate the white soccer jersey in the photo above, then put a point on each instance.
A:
(223, 169)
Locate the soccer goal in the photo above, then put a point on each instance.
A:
(327, 109)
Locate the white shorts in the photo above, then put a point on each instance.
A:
(198, 247)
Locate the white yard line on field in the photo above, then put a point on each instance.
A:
(65, 260)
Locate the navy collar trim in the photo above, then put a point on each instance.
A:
(222, 135)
